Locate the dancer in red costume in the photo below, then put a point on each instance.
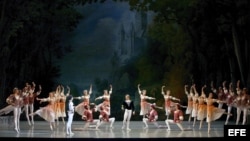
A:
(32, 96)
(168, 101)
(152, 116)
(145, 106)
(16, 100)
(85, 101)
(220, 93)
(230, 101)
(242, 103)
(178, 118)
(25, 94)
(106, 100)
(104, 118)
(88, 117)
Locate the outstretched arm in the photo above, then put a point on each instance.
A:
(58, 89)
(42, 99)
(139, 90)
(150, 98)
(90, 89)
(195, 91)
(224, 84)
(212, 87)
(174, 98)
(39, 91)
(191, 89)
(202, 90)
(33, 85)
(62, 89)
(185, 89)
(110, 91)
(100, 97)
(68, 93)
(162, 90)
(238, 87)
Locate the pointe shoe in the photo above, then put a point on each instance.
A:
(128, 129)
(146, 127)
(16, 130)
(51, 127)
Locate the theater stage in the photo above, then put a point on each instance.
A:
(41, 129)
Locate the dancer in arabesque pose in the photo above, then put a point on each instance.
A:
(47, 112)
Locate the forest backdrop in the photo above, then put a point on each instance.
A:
(188, 41)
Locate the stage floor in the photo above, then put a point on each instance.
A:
(41, 129)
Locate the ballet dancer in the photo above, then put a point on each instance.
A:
(145, 106)
(189, 94)
(62, 102)
(230, 102)
(32, 96)
(129, 109)
(168, 100)
(202, 107)
(106, 100)
(70, 115)
(47, 112)
(104, 118)
(242, 104)
(152, 116)
(195, 104)
(86, 100)
(25, 94)
(16, 100)
(178, 118)
(213, 113)
(88, 117)
(220, 93)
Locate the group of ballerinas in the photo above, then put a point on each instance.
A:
(199, 107)
(86, 109)
(22, 100)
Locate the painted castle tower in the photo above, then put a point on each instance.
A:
(132, 37)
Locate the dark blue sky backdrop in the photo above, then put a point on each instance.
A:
(94, 41)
